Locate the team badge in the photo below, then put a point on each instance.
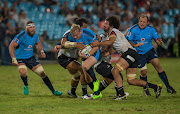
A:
(148, 34)
(17, 40)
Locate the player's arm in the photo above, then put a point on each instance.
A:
(107, 51)
(136, 45)
(130, 36)
(12, 51)
(156, 37)
(111, 40)
(68, 44)
(40, 49)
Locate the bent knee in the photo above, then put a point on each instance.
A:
(40, 71)
(131, 78)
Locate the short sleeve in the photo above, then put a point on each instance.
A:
(154, 34)
(130, 35)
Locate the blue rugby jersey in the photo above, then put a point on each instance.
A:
(137, 35)
(87, 37)
(26, 43)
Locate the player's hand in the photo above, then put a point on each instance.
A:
(94, 44)
(14, 61)
(80, 45)
(98, 37)
(57, 48)
(82, 55)
(139, 44)
(43, 55)
(159, 41)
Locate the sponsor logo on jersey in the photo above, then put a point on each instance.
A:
(142, 39)
(29, 46)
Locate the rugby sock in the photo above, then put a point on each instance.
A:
(84, 89)
(73, 90)
(24, 79)
(92, 74)
(115, 86)
(48, 83)
(151, 86)
(103, 85)
(164, 78)
(121, 91)
(143, 78)
(91, 85)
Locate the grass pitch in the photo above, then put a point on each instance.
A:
(40, 99)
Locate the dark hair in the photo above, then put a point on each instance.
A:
(80, 21)
(29, 22)
(143, 15)
(114, 21)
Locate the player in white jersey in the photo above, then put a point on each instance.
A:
(128, 60)
(68, 59)
(104, 67)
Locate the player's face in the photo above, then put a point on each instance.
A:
(143, 22)
(77, 34)
(106, 26)
(31, 30)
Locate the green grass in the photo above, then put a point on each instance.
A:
(40, 99)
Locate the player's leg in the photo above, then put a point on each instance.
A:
(87, 64)
(143, 71)
(38, 69)
(143, 76)
(131, 79)
(23, 73)
(73, 68)
(120, 66)
(155, 62)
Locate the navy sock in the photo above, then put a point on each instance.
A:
(151, 86)
(143, 78)
(24, 79)
(84, 89)
(73, 90)
(121, 91)
(92, 74)
(103, 85)
(91, 85)
(164, 78)
(48, 83)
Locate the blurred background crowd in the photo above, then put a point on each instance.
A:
(53, 17)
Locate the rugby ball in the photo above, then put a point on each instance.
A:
(86, 50)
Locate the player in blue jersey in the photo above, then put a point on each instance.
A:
(68, 59)
(21, 52)
(140, 37)
(85, 36)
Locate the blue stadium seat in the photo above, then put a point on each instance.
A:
(171, 31)
(164, 33)
(55, 9)
(95, 19)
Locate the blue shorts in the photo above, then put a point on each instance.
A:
(97, 56)
(30, 63)
(145, 58)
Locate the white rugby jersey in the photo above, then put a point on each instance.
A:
(102, 48)
(71, 52)
(121, 44)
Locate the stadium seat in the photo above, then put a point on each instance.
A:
(164, 28)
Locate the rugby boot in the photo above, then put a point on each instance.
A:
(26, 91)
(171, 90)
(158, 91)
